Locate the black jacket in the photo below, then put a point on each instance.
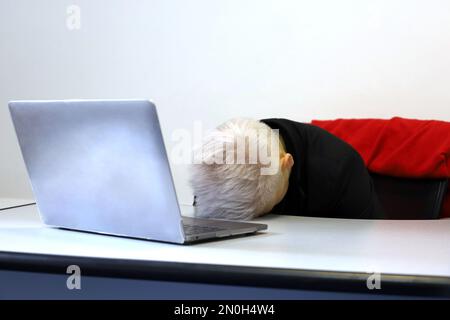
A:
(328, 179)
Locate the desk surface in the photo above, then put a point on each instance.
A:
(408, 248)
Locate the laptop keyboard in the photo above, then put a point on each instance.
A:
(195, 229)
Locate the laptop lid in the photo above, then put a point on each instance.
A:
(99, 166)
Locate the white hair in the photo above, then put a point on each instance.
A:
(229, 189)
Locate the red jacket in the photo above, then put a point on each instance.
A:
(398, 147)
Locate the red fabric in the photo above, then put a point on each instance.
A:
(398, 147)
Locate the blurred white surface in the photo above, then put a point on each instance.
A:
(383, 246)
(211, 60)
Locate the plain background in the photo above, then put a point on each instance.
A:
(210, 60)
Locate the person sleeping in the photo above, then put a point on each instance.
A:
(247, 168)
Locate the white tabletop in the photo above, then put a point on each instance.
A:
(389, 247)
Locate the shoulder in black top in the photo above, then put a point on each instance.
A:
(328, 179)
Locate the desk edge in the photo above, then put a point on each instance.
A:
(391, 284)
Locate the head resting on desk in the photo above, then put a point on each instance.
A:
(241, 171)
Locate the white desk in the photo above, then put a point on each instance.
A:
(401, 248)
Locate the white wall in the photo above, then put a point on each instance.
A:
(210, 60)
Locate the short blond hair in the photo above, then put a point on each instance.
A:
(230, 190)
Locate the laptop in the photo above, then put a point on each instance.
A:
(101, 166)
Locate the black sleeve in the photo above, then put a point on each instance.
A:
(358, 199)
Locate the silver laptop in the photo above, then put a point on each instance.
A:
(101, 166)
